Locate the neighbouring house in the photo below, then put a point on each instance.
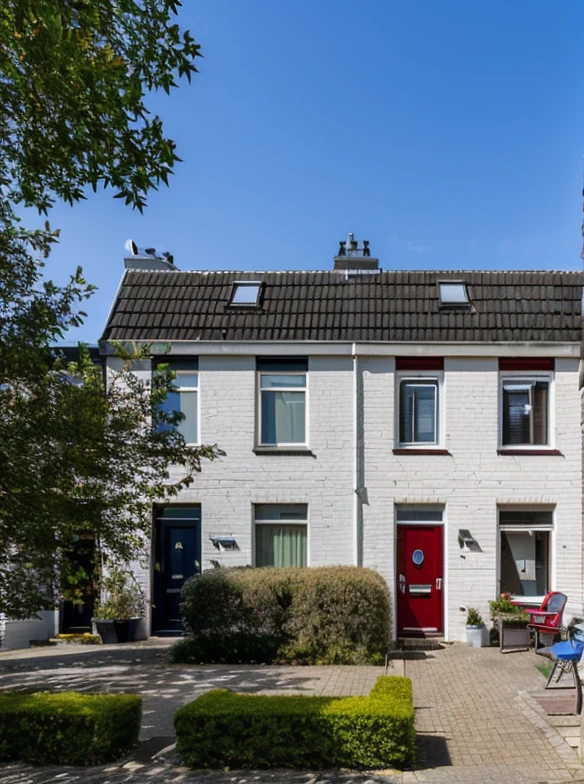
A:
(424, 424)
(71, 617)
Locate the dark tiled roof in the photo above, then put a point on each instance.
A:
(390, 306)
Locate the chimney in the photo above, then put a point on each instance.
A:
(352, 258)
(148, 259)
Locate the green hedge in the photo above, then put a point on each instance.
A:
(68, 728)
(325, 615)
(222, 728)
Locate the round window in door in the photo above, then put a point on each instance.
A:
(418, 557)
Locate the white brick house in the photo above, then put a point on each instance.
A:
(376, 418)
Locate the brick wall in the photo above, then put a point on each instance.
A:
(470, 482)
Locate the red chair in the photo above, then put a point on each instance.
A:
(547, 619)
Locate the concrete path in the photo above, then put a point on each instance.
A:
(472, 723)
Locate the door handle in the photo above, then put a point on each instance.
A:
(402, 583)
(438, 583)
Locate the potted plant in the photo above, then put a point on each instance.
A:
(120, 608)
(476, 630)
(511, 621)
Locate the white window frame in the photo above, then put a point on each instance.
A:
(423, 376)
(256, 522)
(524, 376)
(282, 444)
(549, 528)
(179, 389)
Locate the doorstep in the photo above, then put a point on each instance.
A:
(420, 643)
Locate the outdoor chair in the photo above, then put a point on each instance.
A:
(566, 656)
(546, 621)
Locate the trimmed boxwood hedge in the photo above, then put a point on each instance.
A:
(324, 615)
(68, 728)
(222, 728)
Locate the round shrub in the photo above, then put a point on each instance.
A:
(327, 615)
(340, 615)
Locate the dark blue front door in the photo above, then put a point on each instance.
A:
(177, 557)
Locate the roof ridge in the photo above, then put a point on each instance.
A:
(382, 271)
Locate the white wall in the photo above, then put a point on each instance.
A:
(228, 488)
(470, 482)
(18, 634)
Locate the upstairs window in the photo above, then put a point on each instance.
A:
(282, 401)
(419, 384)
(525, 415)
(183, 399)
(418, 411)
(246, 294)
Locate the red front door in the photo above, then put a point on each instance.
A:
(419, 579)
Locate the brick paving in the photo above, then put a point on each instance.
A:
(473, 726)
(475, 720)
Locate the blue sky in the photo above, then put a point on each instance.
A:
(449, 134)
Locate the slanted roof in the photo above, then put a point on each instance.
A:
(329, 306)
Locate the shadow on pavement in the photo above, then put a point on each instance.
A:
(432, 752)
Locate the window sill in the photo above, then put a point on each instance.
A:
(534, 452)
(283, 450)
(416, 451)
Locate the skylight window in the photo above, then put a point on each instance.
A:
(246, 293)
(454, 294)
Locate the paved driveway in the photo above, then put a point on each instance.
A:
(473, 725)
(471, 722)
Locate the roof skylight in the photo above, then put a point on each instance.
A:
(246, 293)
(453, 294)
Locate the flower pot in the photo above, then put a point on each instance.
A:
(476, 636)
(513, 637)
(105, 629)
(126, 630)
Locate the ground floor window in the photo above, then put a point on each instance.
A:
(525, 551)
(280, 534)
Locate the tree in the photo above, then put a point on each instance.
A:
(74, 81)
(74, 75)
(95, 459)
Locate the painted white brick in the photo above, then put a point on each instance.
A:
(471, 482)
(19, 634)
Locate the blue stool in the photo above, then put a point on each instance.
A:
(565, 656)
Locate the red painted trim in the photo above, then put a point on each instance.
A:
(526, 363)
(535, 452)
(421, 452)
(419, 363)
